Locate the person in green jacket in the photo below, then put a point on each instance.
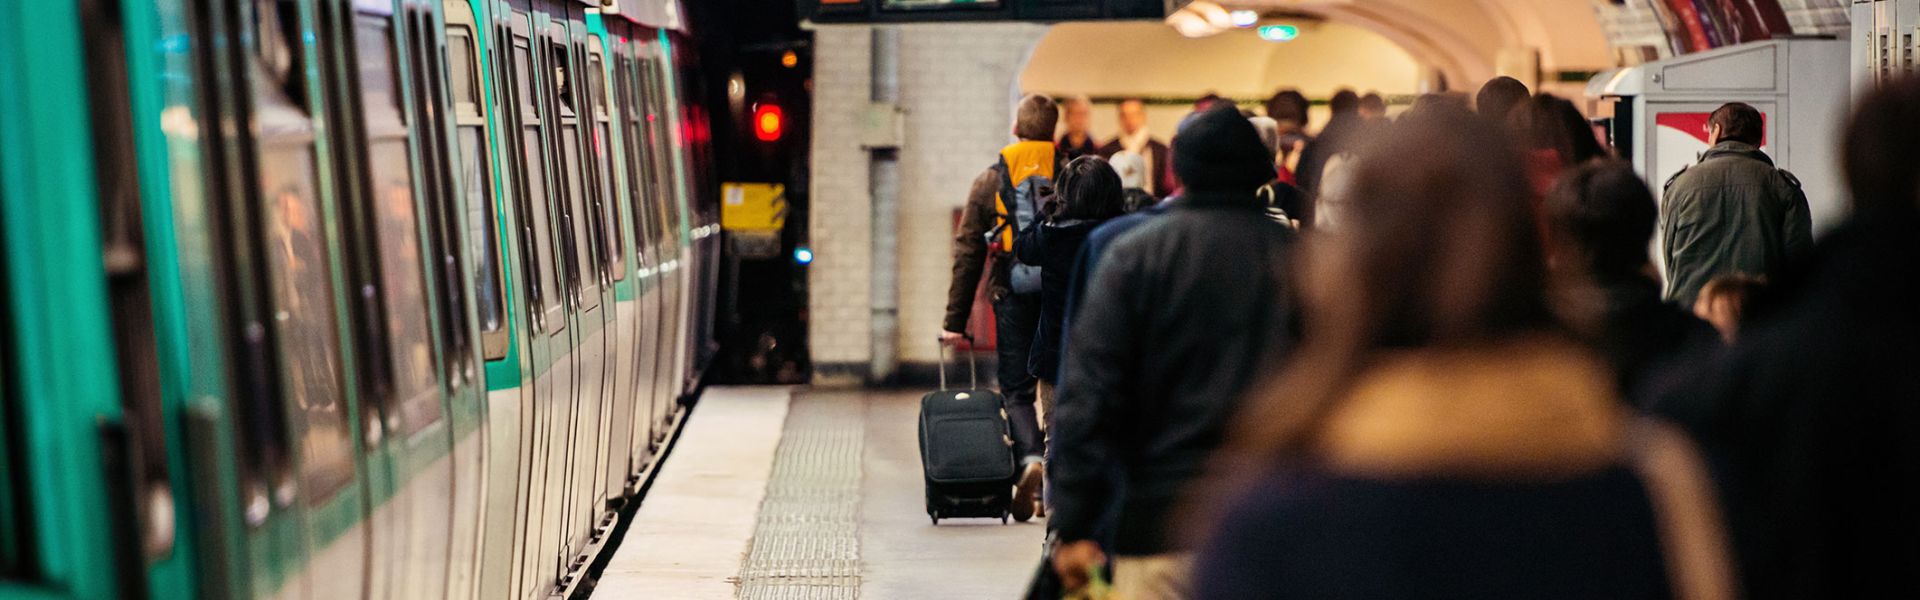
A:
(1734, 212)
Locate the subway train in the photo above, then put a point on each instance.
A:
(342, 298)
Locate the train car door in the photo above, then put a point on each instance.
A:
(483, 543)
(590, 430)
(633, 453)
(587, 319)
(274, 220)
(666, 241)
(414, 330)
(537, 548)
(680, 219)
(609, 149)
(509, 354)
(439, 527)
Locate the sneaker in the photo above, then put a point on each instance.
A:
(1026, 492)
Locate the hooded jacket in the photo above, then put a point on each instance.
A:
(1734, 212)
(1183, 313)
(1181, 316)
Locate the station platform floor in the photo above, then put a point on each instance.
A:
(778, 492)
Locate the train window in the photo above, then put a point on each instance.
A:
(658, 123)
(460, 71)
(543, 284)
(616, 243)
(639, 152)
(443, 204)
(303, 317)
(414, 387)
(576, 212)
(477, 181)
(296, 328)
(580, 259)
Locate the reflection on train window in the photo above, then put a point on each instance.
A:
(658, 123)
(396, 224)
(486, 242)
(616, 244)
(575, 243)
(639, 156)
(460, 67)
(536, 200)
(303, 316)
(477, 180)
(582, 254)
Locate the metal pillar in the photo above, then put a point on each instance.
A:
(883, 179)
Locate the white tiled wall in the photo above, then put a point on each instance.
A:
(957, 85)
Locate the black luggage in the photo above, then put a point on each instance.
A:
(965, 450)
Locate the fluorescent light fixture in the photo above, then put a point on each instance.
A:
(1278, 33)
(1244, 18)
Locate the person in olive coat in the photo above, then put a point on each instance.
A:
(1733, 212)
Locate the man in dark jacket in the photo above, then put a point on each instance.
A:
(1136, 138)
(1734, 212)
(1077, 141)
(1016, 315)
(1812, 415)
(1182, 314)
(1342, 133)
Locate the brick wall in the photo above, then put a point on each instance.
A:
(958, 87)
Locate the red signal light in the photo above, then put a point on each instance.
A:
(768, 122)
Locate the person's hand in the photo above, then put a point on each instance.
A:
(1072, 560)
(951, 338)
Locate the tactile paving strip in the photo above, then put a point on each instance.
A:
(806, 541)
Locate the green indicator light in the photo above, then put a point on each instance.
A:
(1279, 33)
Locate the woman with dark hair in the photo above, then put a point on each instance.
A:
(1087, 194)
(1554, 137)
(1600, 218)
(1288, 109)
(1439, 433)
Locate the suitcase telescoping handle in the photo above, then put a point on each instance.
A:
(973, 368)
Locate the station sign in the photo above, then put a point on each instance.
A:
(913, 11)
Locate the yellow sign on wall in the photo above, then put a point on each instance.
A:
(748, 207)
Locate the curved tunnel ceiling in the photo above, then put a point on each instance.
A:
(1465, 39)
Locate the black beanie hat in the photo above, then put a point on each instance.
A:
(1219, 150)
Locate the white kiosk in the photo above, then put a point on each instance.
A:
(1799, 84)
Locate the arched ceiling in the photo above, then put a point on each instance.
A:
(1110, 59)
(1471, 40)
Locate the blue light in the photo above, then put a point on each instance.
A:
(803, 256)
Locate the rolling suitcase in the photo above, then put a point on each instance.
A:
(965, 450)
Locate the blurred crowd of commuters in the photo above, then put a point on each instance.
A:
(1431, 355)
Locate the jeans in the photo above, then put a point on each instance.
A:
(1016, 318)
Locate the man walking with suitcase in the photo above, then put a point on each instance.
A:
(1004, 199)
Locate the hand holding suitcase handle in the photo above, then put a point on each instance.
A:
(973, 368)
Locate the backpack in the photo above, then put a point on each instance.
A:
(1026, 171)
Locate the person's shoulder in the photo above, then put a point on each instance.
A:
(1677, 176)
(1787, 178)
